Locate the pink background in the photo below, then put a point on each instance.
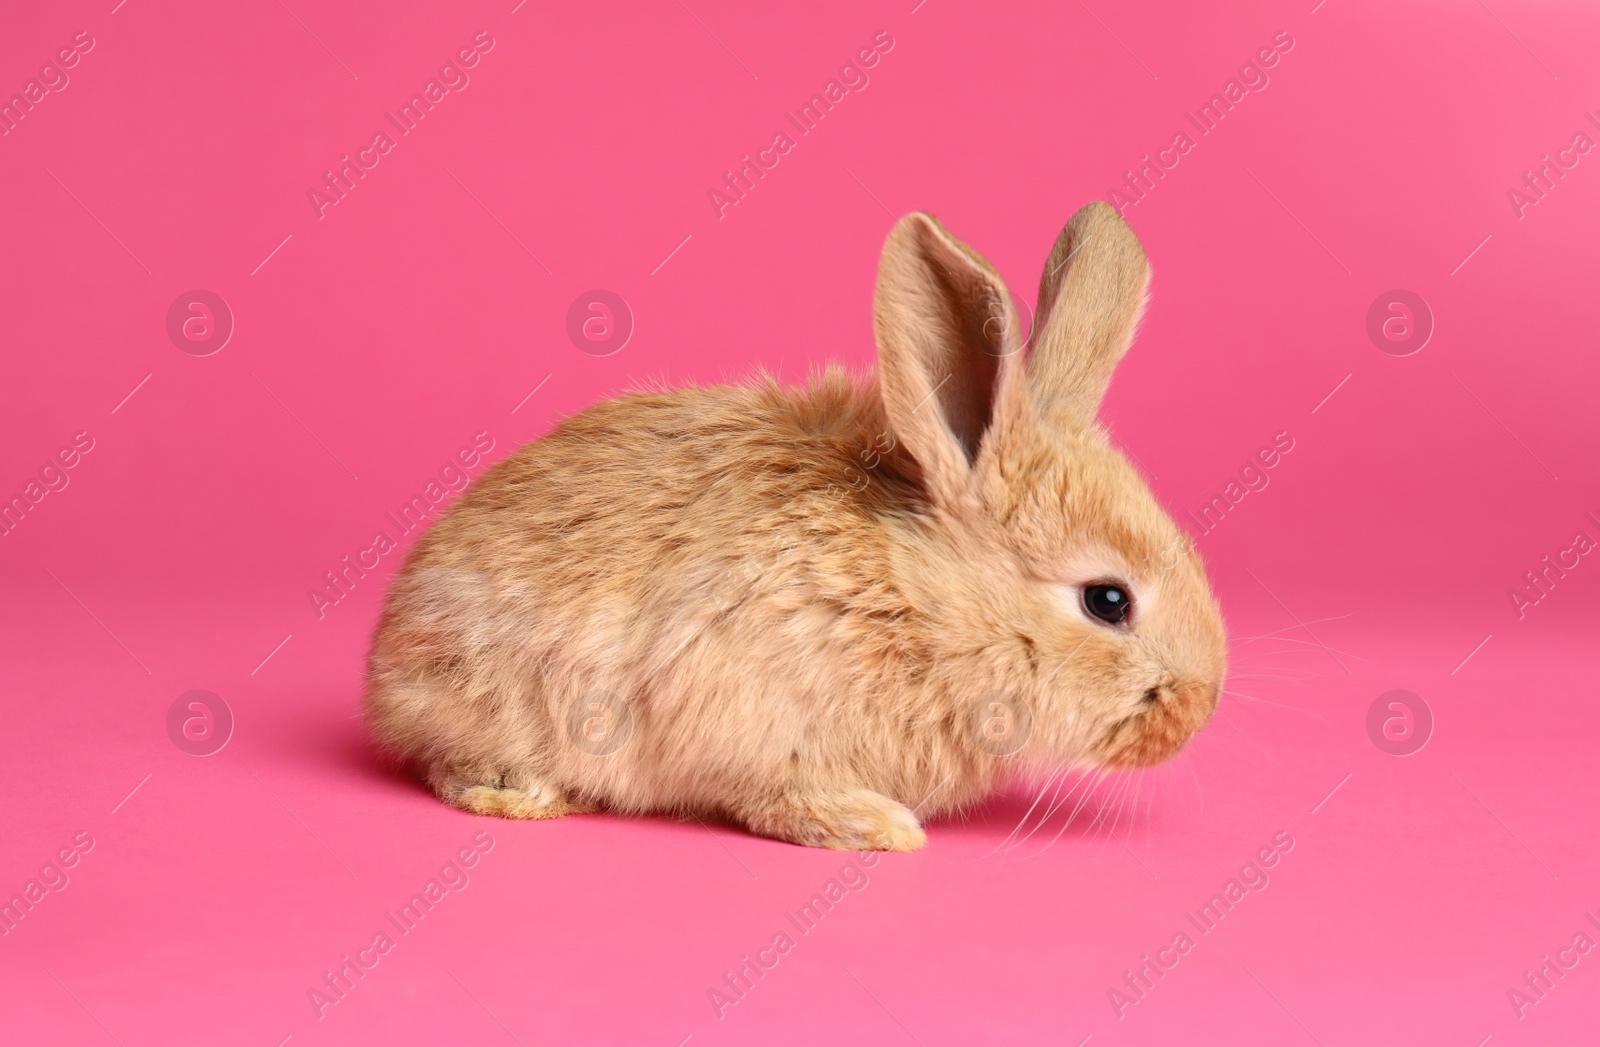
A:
(428, 304)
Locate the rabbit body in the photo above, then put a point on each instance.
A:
(823, 613)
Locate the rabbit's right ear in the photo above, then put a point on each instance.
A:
(947, 340)
(1091, 296)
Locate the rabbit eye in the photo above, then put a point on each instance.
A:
(1107, 602)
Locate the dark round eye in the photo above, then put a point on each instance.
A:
(1109, 603)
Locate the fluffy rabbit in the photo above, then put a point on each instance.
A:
(818, 612)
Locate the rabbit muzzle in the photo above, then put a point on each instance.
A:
(1169, 714)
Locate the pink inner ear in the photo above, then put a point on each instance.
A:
(972, 364)
(968, 398)
(940, 347)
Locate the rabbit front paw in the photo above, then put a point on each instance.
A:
(540, 802)
(504, 795)
(848, 820)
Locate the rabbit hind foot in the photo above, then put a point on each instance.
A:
(503, 796)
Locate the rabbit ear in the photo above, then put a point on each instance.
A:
(1090, 298)
(947, 336)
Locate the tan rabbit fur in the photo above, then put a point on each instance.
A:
(825, 612)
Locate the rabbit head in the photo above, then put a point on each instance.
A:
(1041, 546)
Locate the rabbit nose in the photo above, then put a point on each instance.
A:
(1170, 711)
(1198, 700)
(1185, 695)
(1186, 705)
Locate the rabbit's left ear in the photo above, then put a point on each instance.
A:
(1091, 296)
(947, 340)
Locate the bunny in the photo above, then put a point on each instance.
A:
(819, 612)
